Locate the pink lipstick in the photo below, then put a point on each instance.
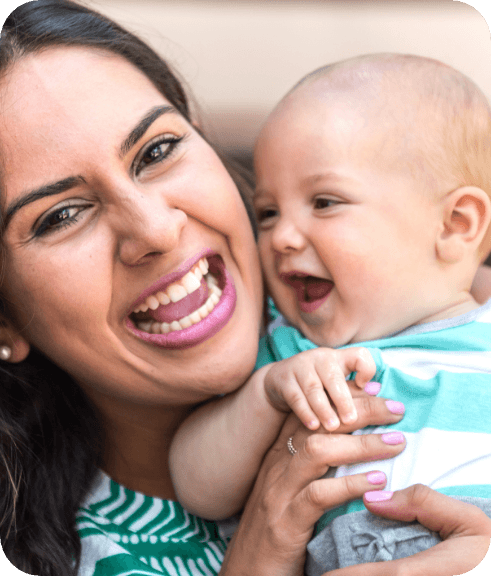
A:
(203, 329)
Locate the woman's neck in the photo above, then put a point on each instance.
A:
(137, 447)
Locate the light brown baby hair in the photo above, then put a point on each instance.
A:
(439, 118)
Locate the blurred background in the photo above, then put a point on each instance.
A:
(238, 58)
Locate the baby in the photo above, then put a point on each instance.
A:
(373, 203)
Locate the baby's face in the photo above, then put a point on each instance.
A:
(346, 235)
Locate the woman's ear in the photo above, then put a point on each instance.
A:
(466, 217)
(13, 347)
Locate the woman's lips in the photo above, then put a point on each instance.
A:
(311, 291)
(205, 328)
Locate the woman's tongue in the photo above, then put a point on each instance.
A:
(184, 307)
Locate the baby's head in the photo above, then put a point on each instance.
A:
(373, 178)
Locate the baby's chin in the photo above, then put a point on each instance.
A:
(315, 330)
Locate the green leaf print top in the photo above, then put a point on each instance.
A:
(126, 533)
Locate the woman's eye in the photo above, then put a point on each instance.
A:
(156, 151)
(60, 218)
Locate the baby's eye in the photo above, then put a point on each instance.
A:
(266, 214)
(156, 151)
(322, 203)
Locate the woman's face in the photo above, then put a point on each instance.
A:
(112, 198)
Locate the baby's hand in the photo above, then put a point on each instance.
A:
(300, 384)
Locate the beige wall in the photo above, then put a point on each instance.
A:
(240, 57)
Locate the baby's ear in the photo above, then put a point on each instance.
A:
(466, 217)
(13, 346)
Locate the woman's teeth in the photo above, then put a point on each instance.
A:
(177, 291)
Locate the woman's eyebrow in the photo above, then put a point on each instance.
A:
(68, 183)
(142, 126)
(47, 190)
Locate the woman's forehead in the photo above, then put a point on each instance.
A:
(74, 79)
(62, 104)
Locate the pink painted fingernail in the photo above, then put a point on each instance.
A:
(378, 496)
(373, 388)
(393, 438)
(395, 407)
(376, 477)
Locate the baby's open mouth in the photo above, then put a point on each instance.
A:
(311, 291)
(182, 303)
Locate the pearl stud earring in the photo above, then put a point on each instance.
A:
(5, 352)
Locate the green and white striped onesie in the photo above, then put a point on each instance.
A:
(126, 533)
(441, 371)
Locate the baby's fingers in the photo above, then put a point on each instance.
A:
(317, 401)
(358, 360)
(334, 381)
(294, 395)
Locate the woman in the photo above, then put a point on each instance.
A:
(110, 195)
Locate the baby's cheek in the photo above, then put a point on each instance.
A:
(266, 257)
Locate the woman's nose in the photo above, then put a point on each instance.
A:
(147, 227)
(287, 237)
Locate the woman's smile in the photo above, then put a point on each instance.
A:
(185, 311)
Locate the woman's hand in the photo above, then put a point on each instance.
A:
(465, 530)
(288, 496)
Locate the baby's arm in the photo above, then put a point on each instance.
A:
(217, 452)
